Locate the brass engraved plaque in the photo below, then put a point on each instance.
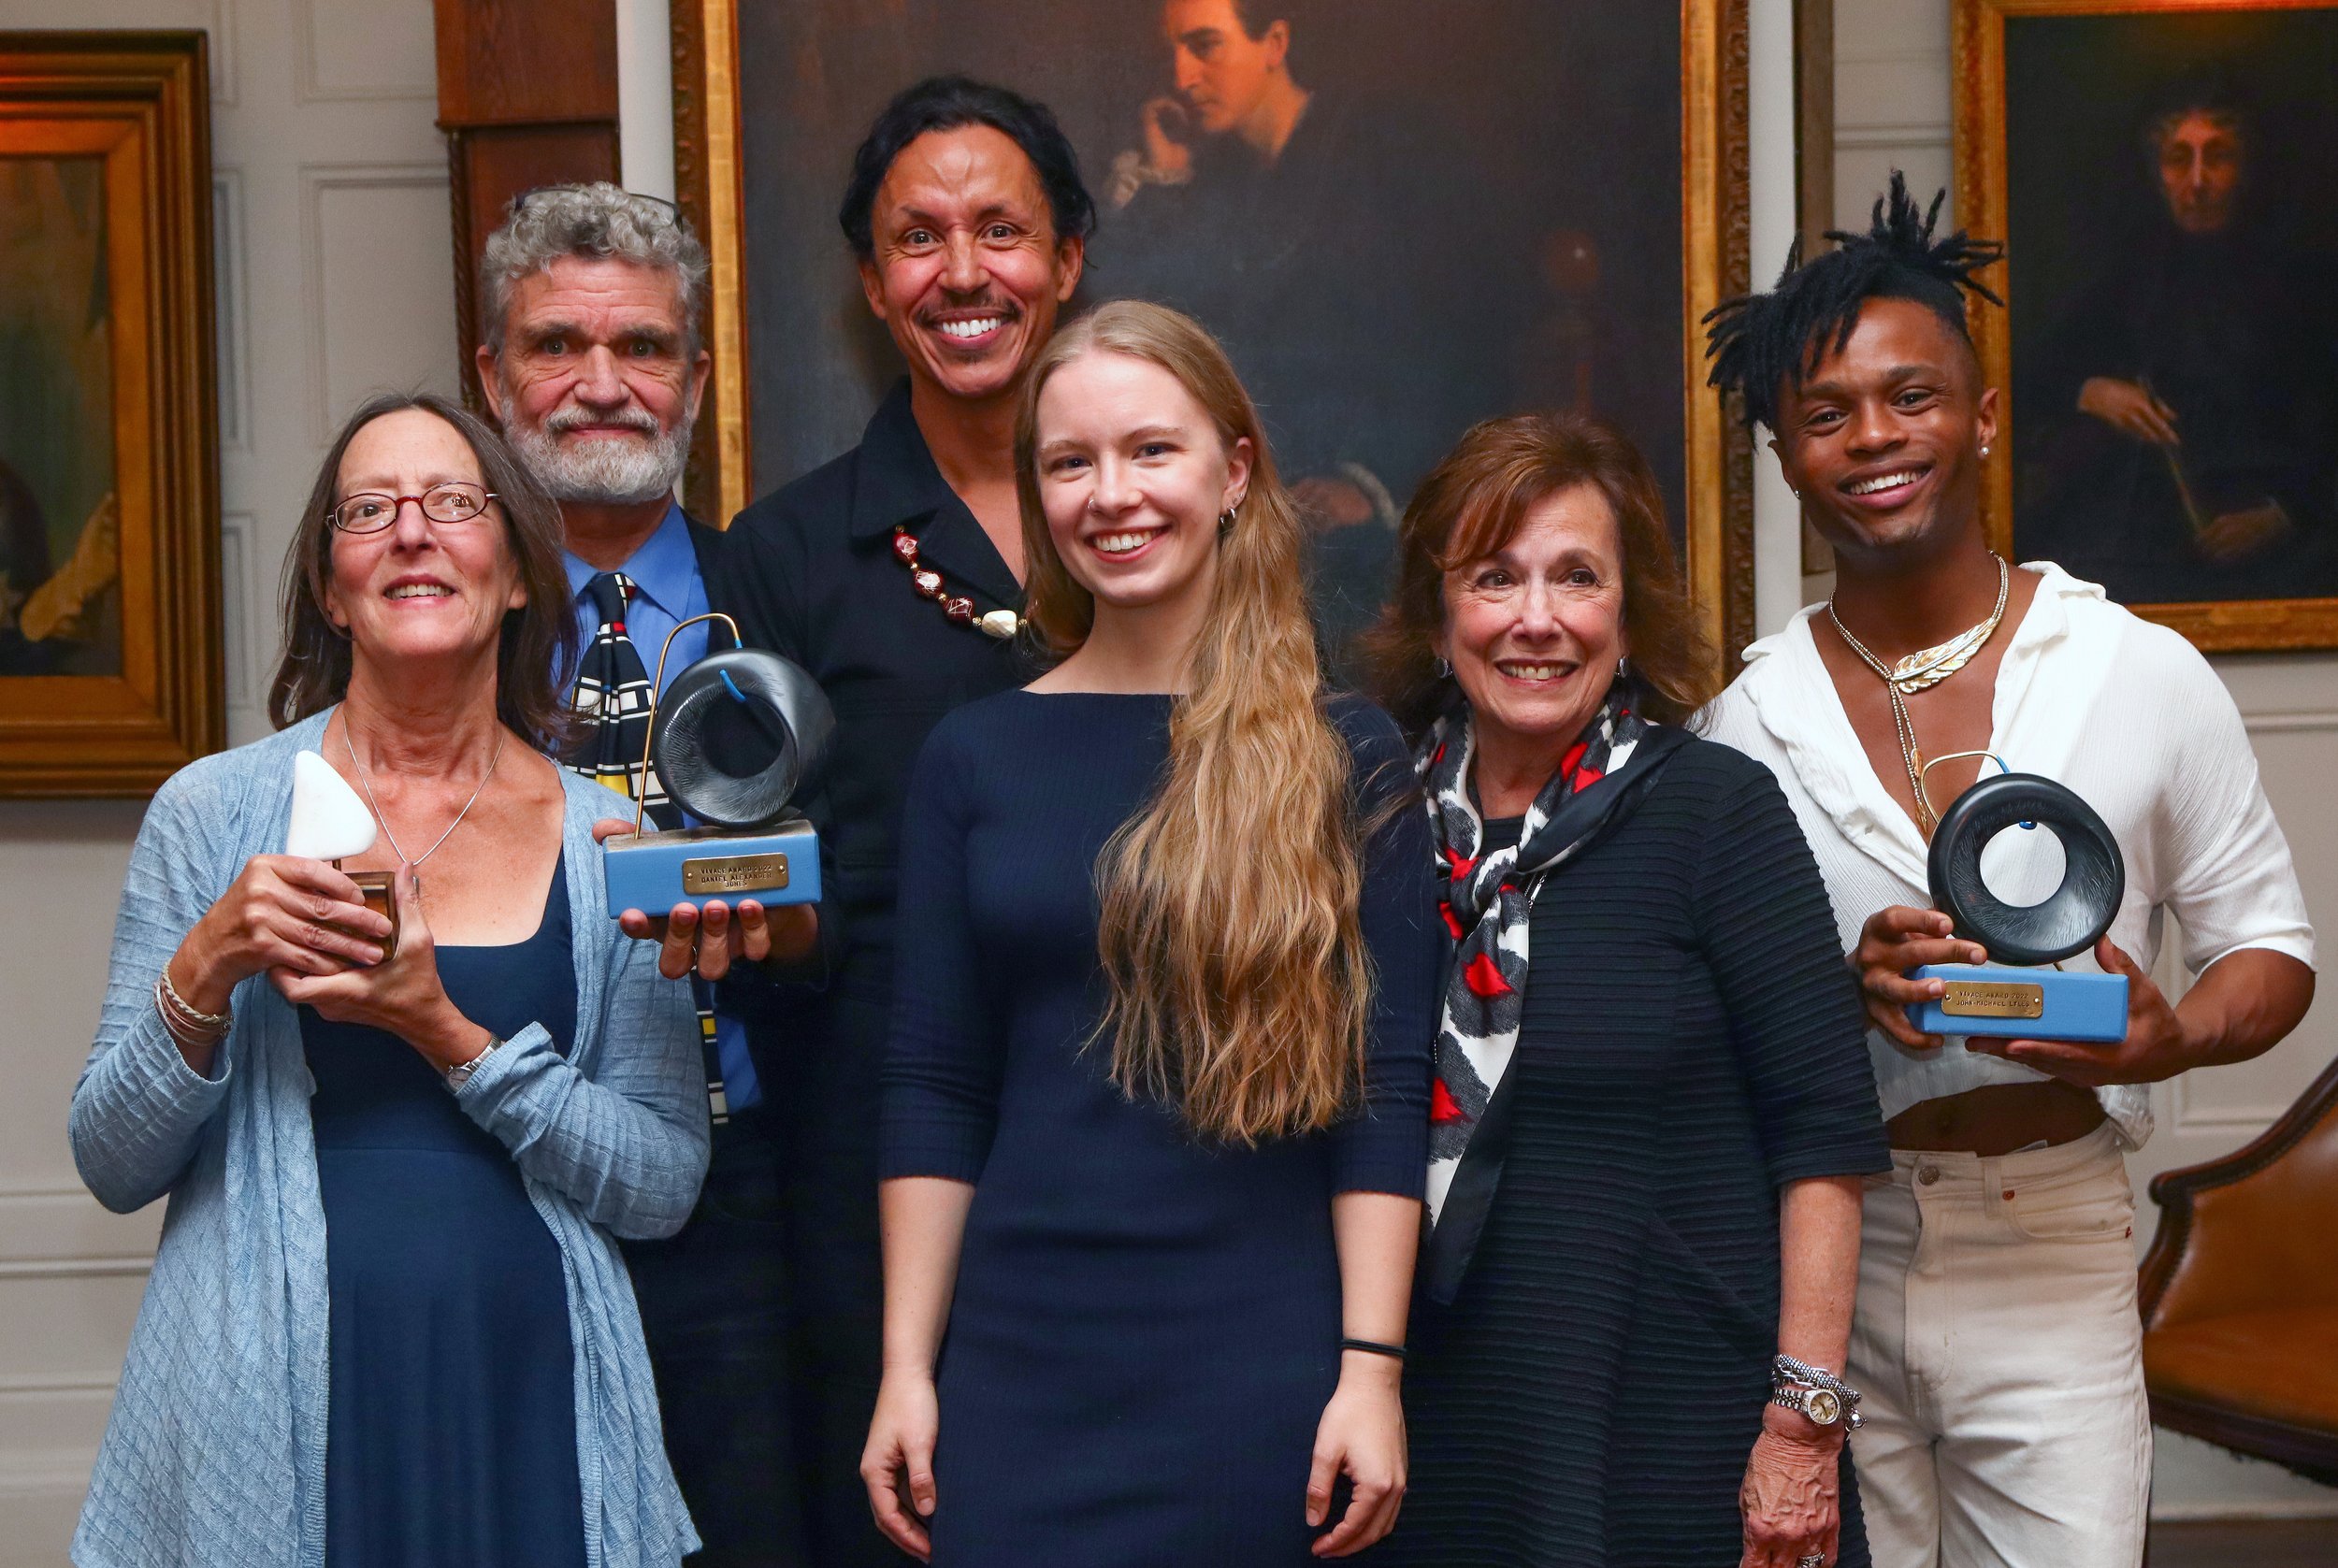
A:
(1993, 998)
(714, 875)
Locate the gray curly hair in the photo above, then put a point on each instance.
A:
(599, 221)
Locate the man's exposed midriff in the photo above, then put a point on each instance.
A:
(1998, 1119)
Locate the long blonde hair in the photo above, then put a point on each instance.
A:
(1230, 936)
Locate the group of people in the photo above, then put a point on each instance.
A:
(1211, 1117)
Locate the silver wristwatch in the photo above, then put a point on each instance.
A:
(459, 1074)
(1815, 1393)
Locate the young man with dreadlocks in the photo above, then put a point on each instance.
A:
(1996, 1339)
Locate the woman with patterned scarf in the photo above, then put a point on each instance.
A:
(1653, 1105)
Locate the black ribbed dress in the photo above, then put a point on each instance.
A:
(1145, 1328)
(1692, 1042)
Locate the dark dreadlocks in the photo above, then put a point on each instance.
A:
(1761, 343)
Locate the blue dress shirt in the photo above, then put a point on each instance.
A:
(669, 590)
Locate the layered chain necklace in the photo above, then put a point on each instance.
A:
(1001, 624)
(1920, 672)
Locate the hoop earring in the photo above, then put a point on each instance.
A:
(1225, 523)
(1444, 667)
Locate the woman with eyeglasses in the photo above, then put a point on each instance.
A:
(388, 1324)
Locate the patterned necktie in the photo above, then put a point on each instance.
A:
(613, 701)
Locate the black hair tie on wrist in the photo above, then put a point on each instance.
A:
(1373, 1346)
(2071, 918)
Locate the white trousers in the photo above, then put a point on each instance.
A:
(1999, 1353)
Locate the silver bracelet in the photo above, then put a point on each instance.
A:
(179, 1019)
(1789, 1378)
(187, 1010)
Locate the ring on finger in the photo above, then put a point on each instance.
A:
(1816, 1560)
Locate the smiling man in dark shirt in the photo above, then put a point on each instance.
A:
(894, 575)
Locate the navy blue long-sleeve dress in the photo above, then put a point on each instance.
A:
(1145, 1328)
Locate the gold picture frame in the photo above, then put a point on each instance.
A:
(1717, 485)
(1985, 202)
(110, 674)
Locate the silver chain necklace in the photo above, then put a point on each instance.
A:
(366, 783)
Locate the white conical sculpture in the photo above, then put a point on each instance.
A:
(329, 821)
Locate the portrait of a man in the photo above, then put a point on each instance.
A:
(2176, 355)
(1394, 217)
(1304, 225)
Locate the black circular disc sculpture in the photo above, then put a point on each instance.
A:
(2071, 919)
(738, 735)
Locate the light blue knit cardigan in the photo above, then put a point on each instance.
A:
(215, 1451)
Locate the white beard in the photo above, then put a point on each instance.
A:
(605, 472)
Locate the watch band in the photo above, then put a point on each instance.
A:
(1818, 1406)
(459, 1074)
(1792, 1383)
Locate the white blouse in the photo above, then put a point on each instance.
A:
(2124, 713)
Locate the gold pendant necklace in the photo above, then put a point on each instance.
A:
(1920, 671)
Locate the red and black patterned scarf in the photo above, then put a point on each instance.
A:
(1488, 899)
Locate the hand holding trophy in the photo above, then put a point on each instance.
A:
(737, 738)
(2008, 1000)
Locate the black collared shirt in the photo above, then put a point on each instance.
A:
(811, 573)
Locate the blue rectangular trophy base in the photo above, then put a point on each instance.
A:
(655, 872)
(2023, 1004)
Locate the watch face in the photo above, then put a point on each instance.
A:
(1823, 1406)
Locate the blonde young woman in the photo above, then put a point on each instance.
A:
(1155, 1108)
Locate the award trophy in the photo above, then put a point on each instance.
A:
(329, 823)
(735, 739)
(2008, 995)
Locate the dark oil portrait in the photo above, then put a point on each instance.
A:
(2173, 271)
(59, 606)
(1400, 217)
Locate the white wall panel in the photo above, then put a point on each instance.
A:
(230, 309)
(221, 25)
(243, 603)
(350, 51)
(379, 282)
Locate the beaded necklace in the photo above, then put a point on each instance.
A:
(999, 624)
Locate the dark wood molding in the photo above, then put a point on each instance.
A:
(527, 97)
(1813, 120)
(1736, 610)
(687, 30)
(719, 479)
(1715, 245)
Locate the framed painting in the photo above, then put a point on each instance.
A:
(1486, 206)
(2169, 353)
(109, 639)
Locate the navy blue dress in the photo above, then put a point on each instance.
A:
(451, 1436)
(1146, 1329)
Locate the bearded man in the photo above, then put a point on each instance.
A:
(590, 299)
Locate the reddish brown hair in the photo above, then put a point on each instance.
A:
(1475, 501)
